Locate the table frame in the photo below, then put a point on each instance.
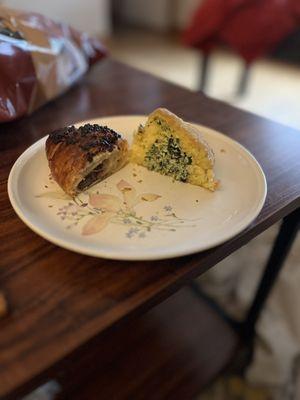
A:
(280, 250)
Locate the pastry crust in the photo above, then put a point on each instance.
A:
(90, 151)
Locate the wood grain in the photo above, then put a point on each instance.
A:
(60, 301)
(3, 305)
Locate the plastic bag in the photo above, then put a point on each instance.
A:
(39, 60)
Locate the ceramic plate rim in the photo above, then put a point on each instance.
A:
(27, 154)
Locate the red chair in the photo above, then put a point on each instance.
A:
(251, 28)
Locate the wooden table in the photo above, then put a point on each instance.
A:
(64, 307)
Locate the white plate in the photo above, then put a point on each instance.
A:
(162, 218)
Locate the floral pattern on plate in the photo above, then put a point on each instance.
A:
(93, 211)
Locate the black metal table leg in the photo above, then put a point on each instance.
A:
(246, 328)
(282, 245)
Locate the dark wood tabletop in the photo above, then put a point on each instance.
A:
(60, 302)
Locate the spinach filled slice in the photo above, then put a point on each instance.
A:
(172, 147)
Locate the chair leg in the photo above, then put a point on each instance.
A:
(244, 80)
(204, 72)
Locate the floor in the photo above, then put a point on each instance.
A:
(273, 89)
(273, 92)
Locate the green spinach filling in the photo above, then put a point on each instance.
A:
(166, 156)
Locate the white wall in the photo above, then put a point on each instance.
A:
(184, 11)
(158, 14)
(92, 16)
(146, 13)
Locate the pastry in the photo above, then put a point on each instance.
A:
(170, 146)
(80, 157)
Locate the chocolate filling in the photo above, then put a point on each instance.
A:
(91, 178)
